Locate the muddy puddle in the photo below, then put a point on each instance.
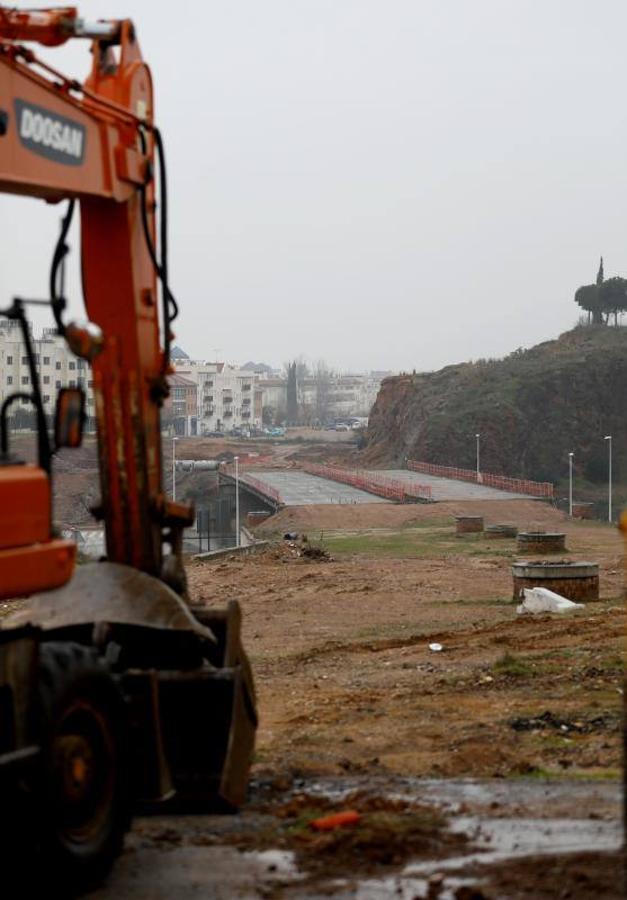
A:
(418, 840)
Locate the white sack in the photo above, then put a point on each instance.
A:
(541, 600)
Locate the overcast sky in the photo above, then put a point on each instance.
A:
(385, 184)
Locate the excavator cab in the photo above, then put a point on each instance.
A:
(32, 558)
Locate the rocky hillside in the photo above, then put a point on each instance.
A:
(530, 408)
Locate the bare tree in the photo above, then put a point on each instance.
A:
(292, 394)
(323, 377)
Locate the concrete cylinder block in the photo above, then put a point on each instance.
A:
(577, 581)
(468, 524)
(540, 542)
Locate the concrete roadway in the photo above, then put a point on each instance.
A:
(451, 489)
(301, 489)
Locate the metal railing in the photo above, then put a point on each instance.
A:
(260, 486)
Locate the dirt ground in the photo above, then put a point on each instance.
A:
(347, 681)
(348, 686)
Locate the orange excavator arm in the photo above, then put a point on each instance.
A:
(95, 143)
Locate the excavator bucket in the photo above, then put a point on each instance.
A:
(183, 672)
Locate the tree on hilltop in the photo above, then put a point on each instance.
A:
(603, 299)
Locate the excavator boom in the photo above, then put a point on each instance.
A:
(95, 143)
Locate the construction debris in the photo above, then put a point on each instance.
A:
(301, 548)
(336, 820)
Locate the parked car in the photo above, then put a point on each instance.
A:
(342, 426)
(215, 434)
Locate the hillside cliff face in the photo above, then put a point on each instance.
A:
(530, 409)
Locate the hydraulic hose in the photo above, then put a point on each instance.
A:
(61, 250)
(169, 305)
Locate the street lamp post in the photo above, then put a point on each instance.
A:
(174, 440)
(236, 459)
(608, 438)
(570, 484)
(477, 437)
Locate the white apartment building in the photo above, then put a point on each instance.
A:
(56, 364)
(346, 395)
(354, 395)
(228, 397)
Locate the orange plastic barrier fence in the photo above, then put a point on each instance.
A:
(373, 483)
(502, 482)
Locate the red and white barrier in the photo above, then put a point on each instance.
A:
(372, 482)
(515, 485)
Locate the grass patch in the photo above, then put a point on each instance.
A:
(488, 551)
(408, 544)
(570, 774)
(513, 666)
(435, 522)
(411, 543)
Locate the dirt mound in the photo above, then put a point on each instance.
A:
(528, 407)
(525, 514)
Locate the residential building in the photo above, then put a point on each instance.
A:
(182, 405)
(334, 397)
(274, 398)
(205, 396)
(354, 394)
(227, 397)
(56, 364)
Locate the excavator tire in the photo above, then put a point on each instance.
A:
(84, 796)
